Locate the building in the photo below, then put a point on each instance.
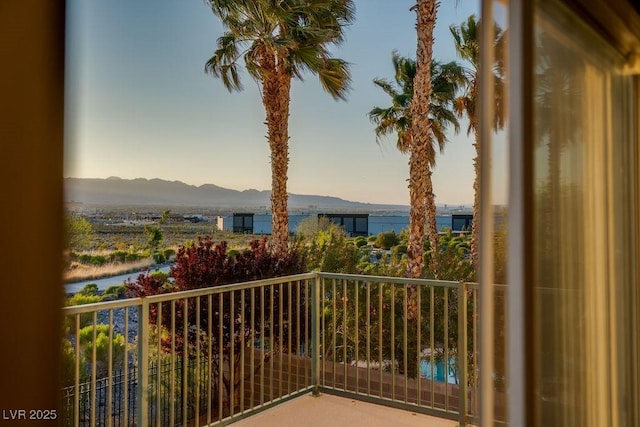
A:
(354, 224)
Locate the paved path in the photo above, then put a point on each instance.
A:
(104, 283)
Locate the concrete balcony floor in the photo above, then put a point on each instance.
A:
(334, 411)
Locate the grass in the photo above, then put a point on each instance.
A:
(131, 238)
(79, 272)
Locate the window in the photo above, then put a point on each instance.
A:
(585, 166)
(242, 223)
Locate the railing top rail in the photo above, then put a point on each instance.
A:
(386, 279)
(227, 288)
(100, 306)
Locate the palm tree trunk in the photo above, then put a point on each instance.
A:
(420, 130)
(418, 173)
(276, 87)
(475, 222)
(432, 226)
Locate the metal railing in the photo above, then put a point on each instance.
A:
(213, 356)
(400, 342)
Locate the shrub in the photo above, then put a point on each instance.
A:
(90, 289)
(159, 258)
(169, 253)
(207, 264)
(387, 240)
(130, 257)
(454, 261)
(398, 250)
(311, 225)
(82, 299)
(331, 251)
(113, 292)
(98, 260)
(360, 241)
(118, 256)
(102, 347)
(78, 232)
(232, 252)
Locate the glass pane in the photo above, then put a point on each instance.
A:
(348, 224)
(585, 223)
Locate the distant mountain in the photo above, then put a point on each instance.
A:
(117, 192)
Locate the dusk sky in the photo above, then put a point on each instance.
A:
(138, 104)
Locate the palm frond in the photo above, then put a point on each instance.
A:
(335, 77)
(223, 63)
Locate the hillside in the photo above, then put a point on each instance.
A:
(116, 192)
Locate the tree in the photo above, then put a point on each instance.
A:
(420, 143)
(155, 237)
(446, 79)
(206, 264)
(468, 48)
(279, 41)
(165, 216)
(79, 232)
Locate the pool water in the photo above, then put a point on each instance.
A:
(439, 371)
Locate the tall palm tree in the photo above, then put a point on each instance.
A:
(446, 79)
(426, 11)
(468, 48)
(279, 41)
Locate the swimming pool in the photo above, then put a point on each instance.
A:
(439, 371)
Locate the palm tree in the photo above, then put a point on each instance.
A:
(279, 41)
(468, 48)
(426, 11)
(446, 79)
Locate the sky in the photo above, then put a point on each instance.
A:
(139, 104)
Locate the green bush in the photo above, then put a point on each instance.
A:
(118, 256)
(159, 258)
(398, 250)
(101, 347)
(90, 289)
(360, 241)
(160, 275)
(387, 240)
(131, 257)
(331, 251)
(113, 292)
(98, 260)
(169, 253)
(81, 299)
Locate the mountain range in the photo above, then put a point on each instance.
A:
(114, 192)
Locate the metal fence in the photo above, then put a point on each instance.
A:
(117, 384)
(212, 356)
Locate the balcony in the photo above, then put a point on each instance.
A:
(259, 351)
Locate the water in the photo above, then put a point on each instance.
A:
(439, 371)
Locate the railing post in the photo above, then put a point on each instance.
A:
(143, 364)
(462, 353)
(315, 335)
